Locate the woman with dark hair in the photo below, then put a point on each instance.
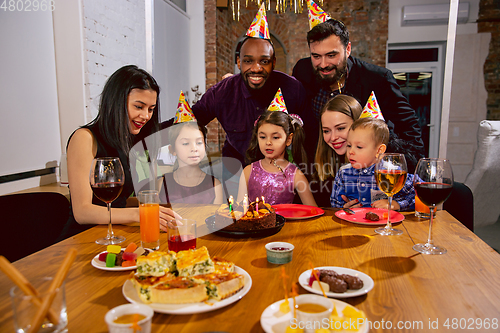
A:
(128, 112)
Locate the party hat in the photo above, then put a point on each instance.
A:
(316, 14)
(184, 112)
(372, 109)
(259, 28)
(278, 103)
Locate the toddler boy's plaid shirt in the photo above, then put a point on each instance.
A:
(358, 183)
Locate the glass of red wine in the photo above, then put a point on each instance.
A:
(390, 173)
(433, 184)
(107, 179)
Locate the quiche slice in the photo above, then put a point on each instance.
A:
(156, 263)
(144, 284)
(223, 265)
(221, 285)
(194, 262)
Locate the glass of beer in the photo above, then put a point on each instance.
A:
(149, 210)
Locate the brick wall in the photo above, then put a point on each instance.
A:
(114, 36)
(367, 21)
(488, 18)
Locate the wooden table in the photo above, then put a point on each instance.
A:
(410, 288)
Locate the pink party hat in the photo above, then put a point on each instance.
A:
(278, 103)
(372, 109)
(259, 28)
(316, 14)
(184, 112)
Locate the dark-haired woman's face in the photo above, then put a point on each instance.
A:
(140, 104)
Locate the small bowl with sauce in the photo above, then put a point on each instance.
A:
(279, 252)
(313, 311)
(121, 318)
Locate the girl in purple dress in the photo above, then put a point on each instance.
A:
(270, 174)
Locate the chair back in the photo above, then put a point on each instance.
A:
(31, 222)
(484, 178)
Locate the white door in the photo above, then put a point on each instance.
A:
(422, 84)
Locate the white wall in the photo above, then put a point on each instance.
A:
(114, 36)
(30, 137)
(410, 34)
(468, 103)
(171, 54)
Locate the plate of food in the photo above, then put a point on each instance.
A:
(273, 320)
(130, 293)
(210, 222)
(341, 282)
(186, 282)
(99, 261)
(369, 216)
(298, 212)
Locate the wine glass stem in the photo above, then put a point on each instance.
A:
(110, 229)
(389, 225)
(429, 239)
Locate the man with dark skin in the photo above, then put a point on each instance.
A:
(239, 100)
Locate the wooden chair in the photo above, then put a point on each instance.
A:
(31, 222)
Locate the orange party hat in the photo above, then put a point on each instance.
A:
(184, 112)
(278, 103)
(259, 27)
(372, 109)
(316, 14)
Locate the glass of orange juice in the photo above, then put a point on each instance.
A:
(149, 211)
(421, 210)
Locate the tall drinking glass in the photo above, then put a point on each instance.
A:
(149, 212)
(433, 184)
(390, 173)
(107, 179)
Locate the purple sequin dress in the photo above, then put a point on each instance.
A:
(276, 187)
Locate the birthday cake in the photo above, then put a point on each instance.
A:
(240, 220)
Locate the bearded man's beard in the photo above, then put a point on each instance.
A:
(327, 81)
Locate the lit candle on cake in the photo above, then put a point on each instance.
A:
(257, 205)
(245, 203)
(263, 201)
(230, 200)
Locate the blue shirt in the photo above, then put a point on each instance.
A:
(361, 184)
(236, 108)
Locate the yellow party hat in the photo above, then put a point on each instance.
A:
(184, 112)
(372, 109)
(278, 103)
(259, 28)
(316, 14)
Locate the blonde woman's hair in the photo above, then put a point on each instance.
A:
(326, 160)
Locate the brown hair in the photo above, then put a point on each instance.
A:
(378, 127)
(326, 160)
(175, 130)
(285, 121)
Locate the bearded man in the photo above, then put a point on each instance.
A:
(331, 70)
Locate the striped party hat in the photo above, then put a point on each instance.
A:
(372, 109)
(184, 112)
(316, 14)
(259, 28)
